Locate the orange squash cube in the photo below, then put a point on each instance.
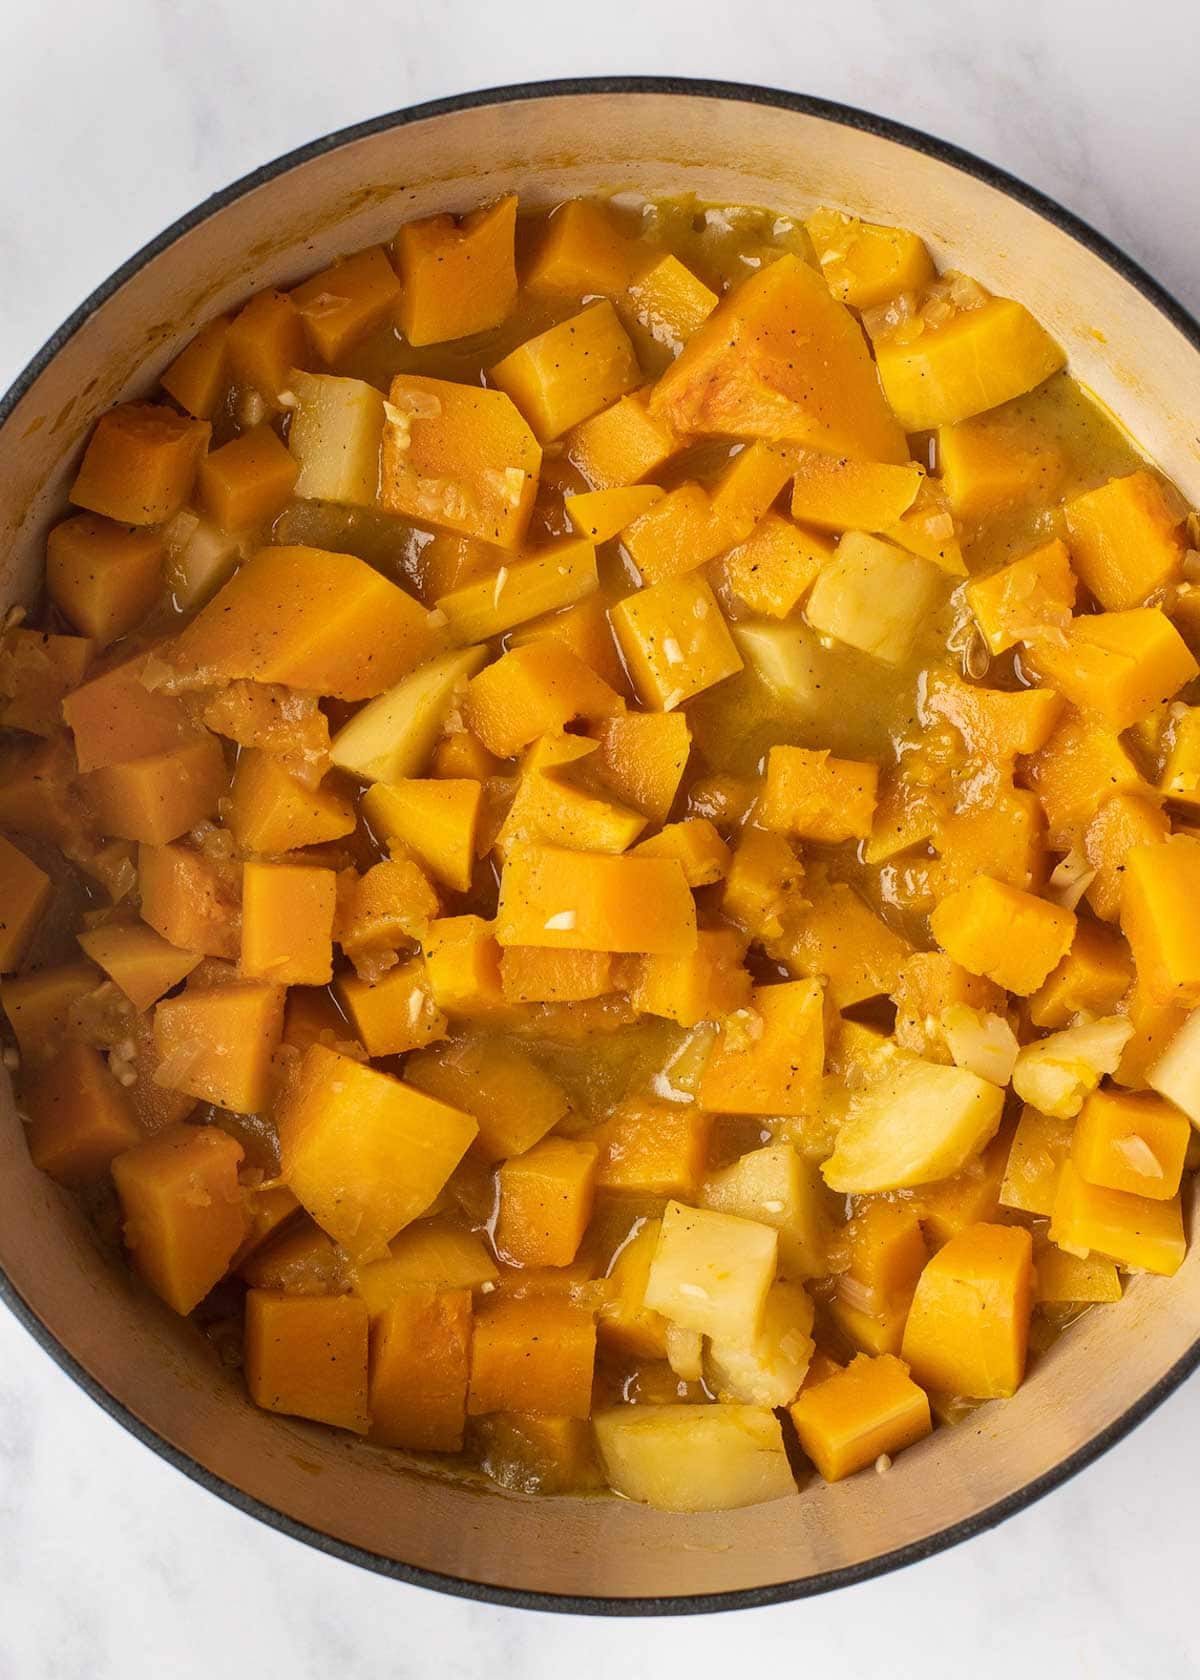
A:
(600, 515)
(839, 493)
(513, 1101)
(545, 1202)
(993, 722)
(39, 1007)
(25, 892)
(306, 1356)
(642, 757)
(158, 798)
(772, 1063)
(1068, 1278)
(436, 819)
(985, 469)
(1121, 823)
(532, 975)
(816, 797)
(247, 481)
(852, 1418)
(532, 1354)
(37, 671)
(968, 1327)
(696, 845)
(103, 576)
(184, 1211)
(1010, 936)
(265, 342)
(459, 756)
(459, 276)
(433, 1254)
(570, 372)
(675, 641)
(1082, 766)
(1126, 540)
(115, 717)
(553, 811)
(587, 901)
(583, 250)
(287, 923)
(364, 1153)
(395, 1014)
(420, 1364)
(462, 966)
(198, 378)
(865, 263)
(140, 464)
(1160, 917)
(141, 962)
(669, 302)
(774, 568)
(1132, 1142)
(584, 629)
(929, 983)
(707, 984)
(459, 457)
(621, 445)
(189, 901)
(764, 878)
(970, 1197)
(887, 1255)
(553, 578)
(1135, 1231)
(342, 304)
(841, 938)
(1118, 665)
(79, 1116)
(302, 1261)
(653, 1148)
(217, 1043)
(1022, 600)
(532, 691)
(272, 811)
(1093, 977)
(313, 619)
(1180, 778)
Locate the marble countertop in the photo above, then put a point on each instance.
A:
(114, 120)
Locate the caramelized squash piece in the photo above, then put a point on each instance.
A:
(532, 1354)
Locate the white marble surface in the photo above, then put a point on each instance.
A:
(113, 120)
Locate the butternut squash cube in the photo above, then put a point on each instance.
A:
(158, 798)
(586, 901)
(642, 757)
(459, 276)
(532, 691)
(692, 525)
(272, 811)
(1126, 540)
(37, 672)
(652, 1148)
(552, 811)
(140, 463)
(864, 263)
(1160, 917)
(970, 1196)
(781, 359)
(920, 1123)
(364, 1153)
(770, 1063)
(266, 340)
(994, 723)
(532, 975)
(462, 966)
(25, 892)
(306, 1356)
(1082, 766)
(675, 641)
(342, 304)
(115, 717)
(1022, 600)
(764, 879)
(396, 1013)
(816, 797)
(849, 1420)
(1135, 1231)
(335, 436)
(694, 1458)
(247, 481)
(1040, 1145)
(532, 1354)
(1010, 936)
(184, 1211)
(287, 923)
(1156, 1023)
(198, 378)
(1091, 979)
(316, 620)
(217, 1043)
(887, 1254)
(437, 820)
(584, 628)
(431, 1254)
(976, 360)
(583, 250)
(545, 1202)
(774, 568)
(1122, 822)
(39, 1007)
(621, 445)
(696, 845)
(103, 576)
(840, 938)
(555, 577)
(79, 1116)
(420, 1363)
(669, 302)
(873, 596)
(599, 515)
(141, 962)
(569, 372)
(1118, 665)
(711, 1271)
(512, 1099)
(1136, 1143)
(459, 755)
(189, 901)
(929, 985)
(303, 1261)
(985, 470)
(776, 1186)
(840, 493)
(968, 1326)
(1063, 1277)
(707, 984)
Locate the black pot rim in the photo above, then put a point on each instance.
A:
(482, 1591)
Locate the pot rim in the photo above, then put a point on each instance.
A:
(456, 1586)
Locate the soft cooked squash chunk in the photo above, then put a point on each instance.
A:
(545, 1202)
(335, 435)
(814, 796)
(189, 900)
(37, 671)
(184, 1212)
(306, 1356)
(458, 457)
(1005, 839)
(968, 1326)
(1092, 978)
(393, 736)
(115, 717)
(764, 879)
(459, 276)
(366, 1154)
(531, 691)
(287, 923)
(773, 569)
(1023, 600)
(247, 481)
(141, 962)
(158, 798)
(995, 724)
(675, 641)
(1160, 917)
(1175, 1073)
(776, 1186)
(694, 1458)
(79, 1116)
(217, 1043)
(1063, 1277)
(394, 1014)
(513, 1100)
(555, 812)
(652, 1148)
(140, 463)
(970, 1196)
(697, 846)
(707, 984)
(39, 1007)
(301, 1261)
(922, 1122)
(584, 628)
(976, 360)
(873, 596)
(621, 445)
(532, 1354)
(1121, 823)
(852, 1418)
(1156, 1022)
(669, 302)
(887, 1253)
(585, 901)
(1118, 665)
(1135, 1231)
(1132, 1142)
(532, 975)
(103, 576)
(781, 359)
(863, 263)
(929, 985)
(642, 757)
(25, 892)
(599, 515)
(266, 340)
(840, 493)
(199, 376)
(840, 938)
(1039, 1147)
(420, 1363)
(571, 371)
(691, 524)
(985, 470)
(711, 1271)
(555, 577)
(771, 1062)
(1126, 540)
(432, 1254)
(437, 820)
(1180, 778)
(462, 966)
(625, 1324)
(1010, 936)
(929, 530)
(1082, 766)
(304, 616)
(584, 250)
(272, 811)
(342, 304)
(38, 797)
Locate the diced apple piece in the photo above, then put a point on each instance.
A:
(983, 1043)
(1056, 1073)
(1176, 1073)
(694, 1458)
(335, 435)
(766, 1368)
(787, 657)
(711, 1271)
(923, 1122)
(776, 1186)
(873, 596)
(393, 735)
